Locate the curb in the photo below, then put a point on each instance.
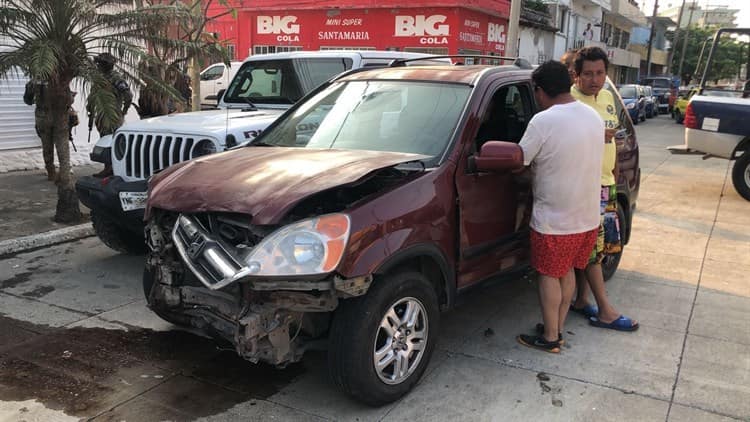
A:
(52, 237)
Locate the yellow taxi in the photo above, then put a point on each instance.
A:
(678, 110)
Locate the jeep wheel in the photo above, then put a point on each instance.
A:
(116, 237)
(741, 175)
(148, 284)
(612, 261)
(380, 343)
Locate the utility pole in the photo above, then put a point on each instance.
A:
(651, 38)
(685, 41)
(676, 41)
(511, 43)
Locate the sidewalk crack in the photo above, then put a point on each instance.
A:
(695, 296)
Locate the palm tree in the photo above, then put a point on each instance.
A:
(55, 41)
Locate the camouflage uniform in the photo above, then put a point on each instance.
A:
(34, 94)
(105, 62)
(124, 98)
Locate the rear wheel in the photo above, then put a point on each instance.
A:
(741, 175)
(381, 343)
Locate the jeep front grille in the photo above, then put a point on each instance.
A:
(143, 154)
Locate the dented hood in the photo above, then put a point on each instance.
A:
(264, 182)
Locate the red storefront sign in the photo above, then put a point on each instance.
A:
(453, 29)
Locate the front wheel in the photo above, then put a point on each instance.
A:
(116, 236)
(741, 175)
(381, 343)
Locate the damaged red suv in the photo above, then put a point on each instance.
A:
(356, 217)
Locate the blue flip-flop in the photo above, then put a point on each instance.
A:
(588, 311)
(622, 323)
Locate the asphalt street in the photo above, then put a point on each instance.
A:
(77, 341)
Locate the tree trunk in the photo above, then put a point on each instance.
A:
(67, 210)
(195, 83)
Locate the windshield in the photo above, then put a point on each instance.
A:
(282, 81)
(628, 92)
(657, 83)
(410, 117)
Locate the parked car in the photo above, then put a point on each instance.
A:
(264, 86)
(354, 219)
(664, 89)
(652, 102)
(680, 105)
(215, 78)
(716, 119)
(635, 102)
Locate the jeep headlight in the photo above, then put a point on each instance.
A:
(308, 247)
(120, 147)
(630, 106)
(204, 147)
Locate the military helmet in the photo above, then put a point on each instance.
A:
(105, 59)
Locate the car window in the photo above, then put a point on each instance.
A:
(657, 83)
(212, 73)
(628, 91)
(315, 71)
(265, 82)
(506, 116)
(411, 117)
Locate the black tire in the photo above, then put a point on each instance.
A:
(612, 261)
(741, 175)
(643, 119)
(116, 237)
(148, 284)
(354, 335)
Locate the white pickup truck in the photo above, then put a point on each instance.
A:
(215, 78)
(716, 121)
(262, 89)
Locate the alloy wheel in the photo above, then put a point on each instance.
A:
(401, 340)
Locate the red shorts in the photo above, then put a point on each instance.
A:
(555, 254)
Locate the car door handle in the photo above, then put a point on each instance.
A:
(219, 83)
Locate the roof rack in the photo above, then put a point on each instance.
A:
(517, 61)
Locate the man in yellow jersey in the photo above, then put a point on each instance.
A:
(590, 76)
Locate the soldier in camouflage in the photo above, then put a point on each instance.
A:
(106, 63)
(34, 93)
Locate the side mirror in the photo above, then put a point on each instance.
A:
(497, 156)
(219, 95)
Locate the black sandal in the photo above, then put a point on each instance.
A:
(538, 342)
(540, 330)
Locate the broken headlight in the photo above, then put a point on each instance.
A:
(308, 247)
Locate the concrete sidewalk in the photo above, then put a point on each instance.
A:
(27, 208)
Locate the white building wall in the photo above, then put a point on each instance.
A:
(536, 45)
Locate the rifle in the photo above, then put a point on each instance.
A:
(72, 142)
(91, 124)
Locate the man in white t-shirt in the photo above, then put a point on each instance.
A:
(563, 146)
